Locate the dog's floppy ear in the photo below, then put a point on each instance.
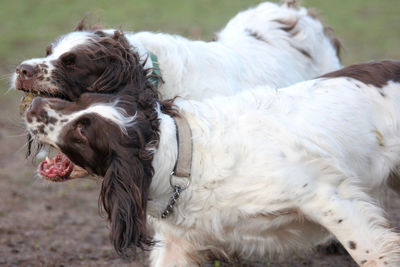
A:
(124, 196)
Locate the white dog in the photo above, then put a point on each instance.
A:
(262, 171)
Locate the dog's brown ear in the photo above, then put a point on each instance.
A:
(124, 196)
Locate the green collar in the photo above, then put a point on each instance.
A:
(155, 76)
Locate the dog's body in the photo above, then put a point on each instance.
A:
(270, 171)
(267, 45)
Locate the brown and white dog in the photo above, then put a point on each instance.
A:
(271, 44)
(271, 170)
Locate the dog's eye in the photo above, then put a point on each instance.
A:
(68, 59)
(81, 133)
(48, 50)
(81, 130)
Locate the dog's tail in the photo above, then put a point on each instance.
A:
(287, 26)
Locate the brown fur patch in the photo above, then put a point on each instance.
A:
(255, 35)
(290, 3)
(377, 73)
(287, 25)
(352, 245)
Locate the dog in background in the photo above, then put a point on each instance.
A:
(271, 170)
(275, 45)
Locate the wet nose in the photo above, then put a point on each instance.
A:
(26, 71)
(36, 110)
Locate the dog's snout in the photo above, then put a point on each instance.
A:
(26, 71)
(36, 110)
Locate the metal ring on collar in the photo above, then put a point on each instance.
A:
(172, 184)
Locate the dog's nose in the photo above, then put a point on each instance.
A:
(26, 71)
(36, 110)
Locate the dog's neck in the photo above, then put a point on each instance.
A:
(163, 163)
(143, 52)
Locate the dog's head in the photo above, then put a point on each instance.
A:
(78, 62)
(112, 136)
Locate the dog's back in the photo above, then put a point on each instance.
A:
(287, 27)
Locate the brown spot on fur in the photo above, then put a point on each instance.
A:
(305, 185)
(255, 35)
(287, 25)
(52, 120)
(379, 137)
(304, 52)
(291, 4)
(363, 261)
(339, 221)
(41, 129)
(352, 245)
(367, 251)
(377, 73)
(381, 257)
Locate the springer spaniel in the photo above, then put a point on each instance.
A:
(270, 170)
(266, 45)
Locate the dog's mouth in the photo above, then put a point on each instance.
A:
(57, 169)
(61, 169)
(32, 88)
(31, 94)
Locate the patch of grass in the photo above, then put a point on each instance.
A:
(369, 29)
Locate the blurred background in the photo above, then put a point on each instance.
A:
(58, 224)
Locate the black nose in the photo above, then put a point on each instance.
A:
(26, 71)
(36, 110)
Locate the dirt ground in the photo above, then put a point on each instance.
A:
(58, 224)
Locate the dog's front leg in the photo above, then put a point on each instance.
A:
(172, 250)
(358, 223)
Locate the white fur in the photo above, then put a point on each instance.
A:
(280, 170)
(237, 60)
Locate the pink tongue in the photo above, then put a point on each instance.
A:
(60, 167)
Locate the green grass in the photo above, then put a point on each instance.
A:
(369, 29)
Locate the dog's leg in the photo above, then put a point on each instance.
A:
(357, 223)
(172, 251)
